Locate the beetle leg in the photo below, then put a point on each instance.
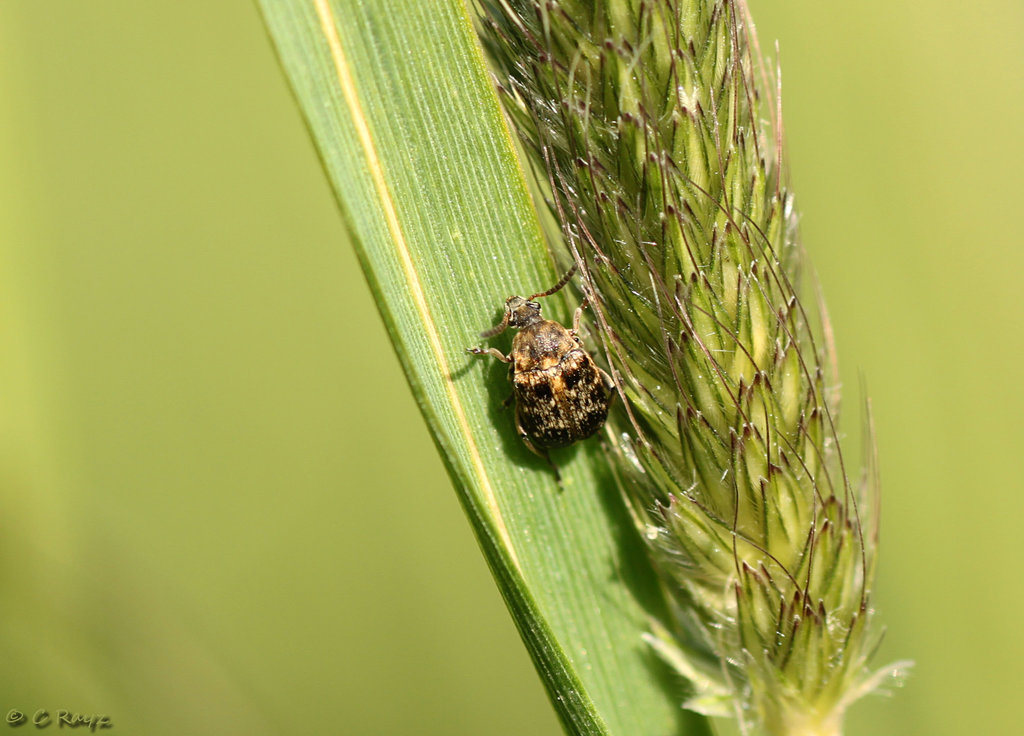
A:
(508, 402)
(609, 385)
(576, 318)
(493, 352)
(544, 454)
(536, 450)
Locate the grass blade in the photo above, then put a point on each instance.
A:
(398, 102)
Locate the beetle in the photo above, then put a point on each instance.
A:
(561, 394)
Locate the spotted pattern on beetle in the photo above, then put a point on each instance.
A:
(561, 394)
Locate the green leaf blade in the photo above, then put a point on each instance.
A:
(397, 99)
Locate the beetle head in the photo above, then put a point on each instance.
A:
(519, 312)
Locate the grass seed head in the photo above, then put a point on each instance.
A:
(656, 131)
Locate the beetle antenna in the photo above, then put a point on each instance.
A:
(497, 330)
(561, 282)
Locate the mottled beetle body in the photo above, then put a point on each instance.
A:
(561, 394)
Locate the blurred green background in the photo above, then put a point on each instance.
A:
(219, 509)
